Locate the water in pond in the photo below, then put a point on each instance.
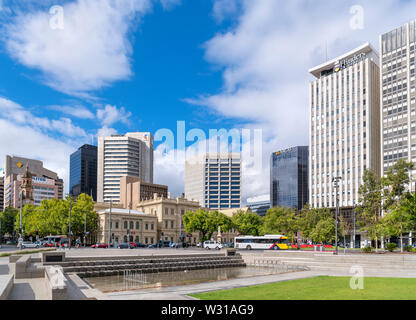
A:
(137, 280)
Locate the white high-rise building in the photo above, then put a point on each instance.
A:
(398, 95)
(120, 156)
(344, 126)
(214, 179)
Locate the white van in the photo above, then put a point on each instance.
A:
(212, 245)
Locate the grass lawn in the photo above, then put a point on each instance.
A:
(321, 288)
(8, 254)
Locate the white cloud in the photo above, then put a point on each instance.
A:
(169, 4)
(92, 50)
(168, 171)
(224, 8)
(111, 114)
(25, 141)
(77, 111)
(265, 57)
(65, 126)
(106, 132)
(19, 115)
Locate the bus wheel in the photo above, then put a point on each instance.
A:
(276, 248)
(248, 247)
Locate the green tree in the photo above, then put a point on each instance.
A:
(52, 217)
(206, 223)
(83, 206)
(324, 231)
(401, 218)
(370, 205)
(281, 220)
(398, 218)
(309, 218)
(396, 182)
(247, 223)
(7, 219)
(28, 218)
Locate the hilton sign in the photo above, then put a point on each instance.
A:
(344, 64)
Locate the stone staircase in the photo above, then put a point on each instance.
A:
(99, 267)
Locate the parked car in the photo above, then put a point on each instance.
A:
(100, 245)
(199, 245)
(125, 245)
(181, 245)
(160, 244)
(28, 244)
(212, 245)
(11, 242)
(140, 245)
(228, 245)
(49, 244)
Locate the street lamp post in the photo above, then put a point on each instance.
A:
(70, 209)
(109, 224)
(336, 182)
(21, 215)
(85, 230)
(128, 230)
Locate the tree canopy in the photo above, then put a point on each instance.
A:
(206, 222)
(247, 223)
(52, 217)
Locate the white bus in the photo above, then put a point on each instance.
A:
(267, 242)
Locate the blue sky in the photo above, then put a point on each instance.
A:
(127, 65)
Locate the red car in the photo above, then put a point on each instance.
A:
(100, 245)
(49, 245)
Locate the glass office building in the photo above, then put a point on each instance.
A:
(259, 205)
(83, 171)
(289, 178)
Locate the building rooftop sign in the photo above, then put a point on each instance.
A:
(345, 61)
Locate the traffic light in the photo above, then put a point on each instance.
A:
(37, 232)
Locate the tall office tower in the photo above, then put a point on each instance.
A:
(83, 171)
(289, 178)
(1, 193)
(120, 156)
(344, 126)
(46, 183)
(398, 96)
(214, 179)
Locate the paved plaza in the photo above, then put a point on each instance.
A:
(386, 265)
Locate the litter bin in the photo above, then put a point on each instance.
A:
(322, 248)
(315, 248)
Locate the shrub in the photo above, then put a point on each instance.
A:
(408, 248)
(368, 249)
(414, 250)
(391, 246)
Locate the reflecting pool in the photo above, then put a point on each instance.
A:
(137, 280)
